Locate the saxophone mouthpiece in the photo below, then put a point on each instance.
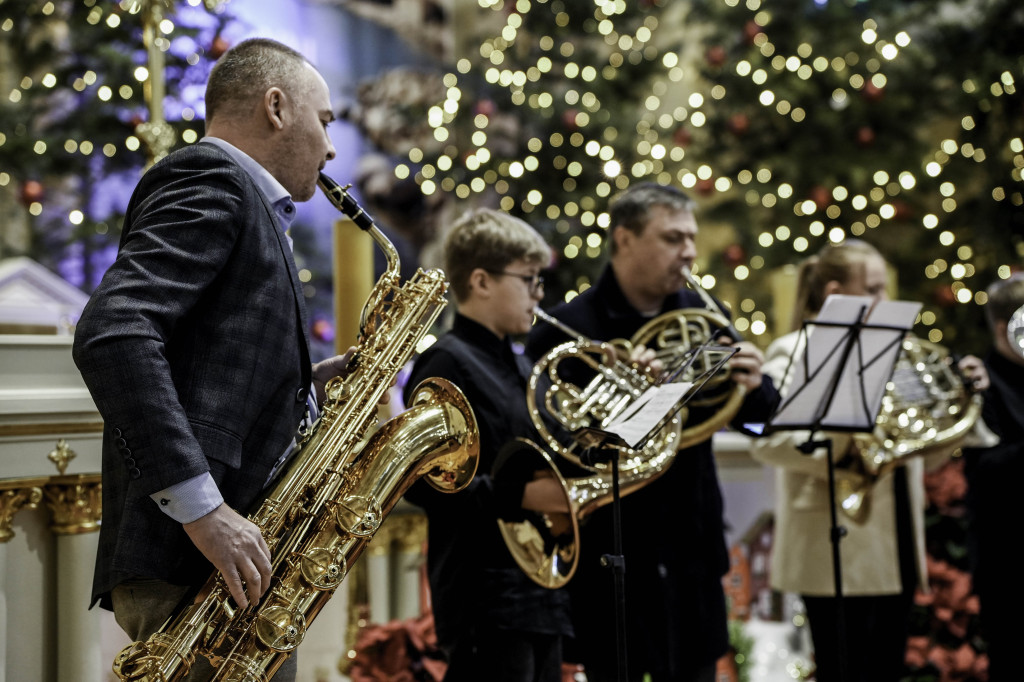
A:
(344, 202)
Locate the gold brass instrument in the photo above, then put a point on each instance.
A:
(1015, 331)
(335, 491)
(926, 408)
(546, 545)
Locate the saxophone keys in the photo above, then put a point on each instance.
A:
(323, 569)
(280, 628)
(358, 515)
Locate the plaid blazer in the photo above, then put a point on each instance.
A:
(194, 349)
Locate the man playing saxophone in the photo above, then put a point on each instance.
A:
(673, 529)
(194, 346)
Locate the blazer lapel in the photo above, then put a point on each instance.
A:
(293, 273)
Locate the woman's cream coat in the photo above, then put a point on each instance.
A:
(802, 551)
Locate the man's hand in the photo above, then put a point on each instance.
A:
(337, 366)
(645, 359)
(325, 370)
(745, 365)
(975, 374)
(234, 546)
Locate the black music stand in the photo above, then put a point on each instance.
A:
(830, 391)
(631, 430)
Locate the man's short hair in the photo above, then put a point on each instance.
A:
(1005, 296)
(489, 239)
(244, 73)
(631, 207)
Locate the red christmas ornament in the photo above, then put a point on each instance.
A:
(902, 210)
(31, 192)
(865, 136)
(485, 107)
(715, 55)
(734, 255)
(820, 196)
(739, 124)
(218, 47)
(569, 119)
(872, 92)
(682, 136)
(944, 295)
(751, 30)
(706, 186)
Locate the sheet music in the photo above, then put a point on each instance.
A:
(861, 381)
(646, 412)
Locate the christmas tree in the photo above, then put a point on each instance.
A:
(793, 123)
(84, 112)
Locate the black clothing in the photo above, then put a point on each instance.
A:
(493, 654)
(993, 488)
(878, 625)
(673, 529)
(475, 584)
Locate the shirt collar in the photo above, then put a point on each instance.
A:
(275, 192)
(610, 291)
(480, 336)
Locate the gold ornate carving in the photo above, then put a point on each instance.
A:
(16, 495)
(410, 532)
(61, 455)
(74, 503)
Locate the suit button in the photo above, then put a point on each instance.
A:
(129, 462)
(126, 452)
(116, 432)
(134, 472)
(300, 395)
(164, 502)
(122, 443)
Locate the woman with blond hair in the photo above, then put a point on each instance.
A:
(882, 553)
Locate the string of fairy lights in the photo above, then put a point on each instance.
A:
(551, 77)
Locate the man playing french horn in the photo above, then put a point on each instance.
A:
(673, 528)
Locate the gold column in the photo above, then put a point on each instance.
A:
(158, 135)
(353, 280)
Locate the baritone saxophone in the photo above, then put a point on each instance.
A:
(337, 488)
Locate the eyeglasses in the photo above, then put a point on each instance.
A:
(533, 282)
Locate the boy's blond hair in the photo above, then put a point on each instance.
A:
(489, 239)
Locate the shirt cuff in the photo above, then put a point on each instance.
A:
(191, 499)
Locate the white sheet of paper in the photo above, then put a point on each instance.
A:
(635, 422)
(858, 395)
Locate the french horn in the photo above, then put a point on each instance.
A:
(1015, 331)
(926, 408)
(582, 384)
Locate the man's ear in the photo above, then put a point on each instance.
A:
(273, 103)
(621, 236)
